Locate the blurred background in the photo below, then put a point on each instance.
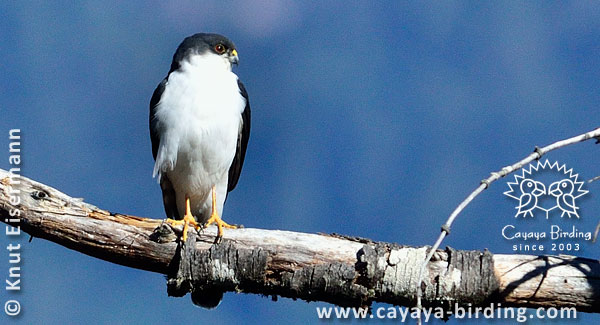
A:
(371, 120)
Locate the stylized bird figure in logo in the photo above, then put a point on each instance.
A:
(563, 190)
(528, 200)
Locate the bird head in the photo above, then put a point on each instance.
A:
(533, 187)
(203, 46)
(558, 188)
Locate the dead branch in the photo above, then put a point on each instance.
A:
(343, 270)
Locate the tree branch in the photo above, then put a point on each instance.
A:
(343, 270)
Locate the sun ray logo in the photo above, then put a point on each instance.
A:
(530, 193)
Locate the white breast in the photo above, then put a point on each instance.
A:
(198, 117)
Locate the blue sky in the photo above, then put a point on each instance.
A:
(372, 120)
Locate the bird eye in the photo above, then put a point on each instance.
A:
(564, 184)
(220, 48)
(529, 184)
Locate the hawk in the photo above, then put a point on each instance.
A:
(199, 128)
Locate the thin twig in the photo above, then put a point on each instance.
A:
(494, 176)
(596, 233)
(594, 179)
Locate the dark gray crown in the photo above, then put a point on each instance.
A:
(198, 44)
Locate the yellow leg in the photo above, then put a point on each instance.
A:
(188, 219)
(215, 218)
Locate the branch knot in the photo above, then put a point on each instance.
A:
(539, 151)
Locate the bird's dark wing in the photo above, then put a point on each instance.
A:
(169, 198)
(154, 136)
(168, 192)
(242, 142)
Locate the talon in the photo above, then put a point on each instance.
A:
(188, 219)
(215, 218)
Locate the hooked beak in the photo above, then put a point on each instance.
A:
(233, 57)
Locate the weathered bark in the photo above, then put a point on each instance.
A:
(343, 270)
